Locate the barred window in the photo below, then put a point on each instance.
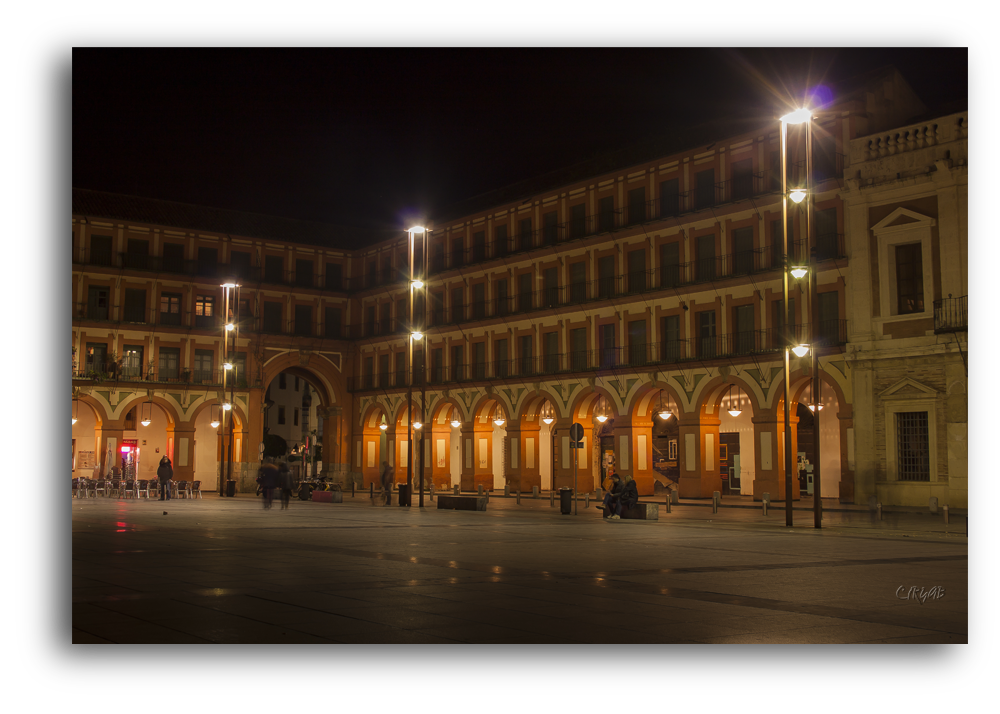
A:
(913, 452)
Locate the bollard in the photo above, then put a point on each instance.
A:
(552, 498)
(766, 501)
(352, 488)
(668, 503)
(506, 490)
(480, 489)
(715, 501)
(675, 497)
(945, 509)
(534, 491)
(371, 491)
(454, 490)
(878, 510)
(432, 491)
(586, 500)
(519, 497)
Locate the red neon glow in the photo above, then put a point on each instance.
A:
(126, 449)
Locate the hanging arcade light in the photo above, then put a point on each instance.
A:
(664, 411)
(547, 417)
(454, 418)
(383, 426)
(498, 416)
(815, 403)
(602, 410)
(216, 416)
(76, 410)
(147, 413)
(734, 409)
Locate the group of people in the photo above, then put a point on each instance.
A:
(619, 495)
(272, 477)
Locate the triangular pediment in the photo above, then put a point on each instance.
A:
(903, 217)
(907, 387)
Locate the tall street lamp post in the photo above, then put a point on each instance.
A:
(230, 335)
(416, 334)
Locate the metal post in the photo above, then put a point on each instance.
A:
(787, 326)
(946, 515)
(426, 360)
(576, 455)
(814, 315)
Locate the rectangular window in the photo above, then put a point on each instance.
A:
(636, 205)
(478, 246)
(670, 338)
(204, 311)
(271, 319)
(824, 156)
(296, 384)
(706, 257)
(524, 237)
(370, 320)
(743, 251)
(304, 273)
(437, 258)
(281, 415)
(295, 416)
(135, 305)
(437, 308)
(208, 261)
(550, 340)
(303, 320)
(578, 282)
(704, 195)
(170, 360)
(457, 305)
(173, 258)
(479, 301)
(606, 340)
(670, 204)
(550, 227)
(742, 179)
(743, 332)
(334, 276)
(637, 343)
(437, 365)
(606, 277)
(578, 349)
(372, 274)
(274, 269)
(282, 381)
(502, 298)
(670, 265)
(778, 341)
(331, 323)
(706, 334)
(500, 244)
(457, 364)
(577, 221)
(386, 276)
(828, 304)
(912, 446)
(402, 319)
(97, 303)
(368, 373)
(524, 292)
(100, 250)
(383, 370)
(240, 367)
(778, 241)
(827, 240)
(137, 254)
(133, 366)
(239, 264)
(909, 279)
(203, 372)
(774, 180)
(385, 318)
(458, 252)
(527, 365)
(606, 214)
(501, 366)
(400, 368)
(550, 287)
(170, 309)
(97, 357)
(479, 360)
(418, 366)
(637, 271)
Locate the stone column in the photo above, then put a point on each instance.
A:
(184, 452)
(111, 437)
(769, 436)
(482, 455)
(633, 453)
(562, 475)
(468, 456)
(440, 471)
(524, 464)
(698, 455)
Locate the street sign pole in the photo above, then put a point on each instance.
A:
(576, 441)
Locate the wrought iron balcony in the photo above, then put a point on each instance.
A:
(951, 315)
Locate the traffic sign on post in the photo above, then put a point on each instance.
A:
(575, 442)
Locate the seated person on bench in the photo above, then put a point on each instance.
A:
(622, 495)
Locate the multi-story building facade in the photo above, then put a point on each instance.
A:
(606, 299)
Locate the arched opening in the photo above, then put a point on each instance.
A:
(86, 440)
(829, 444)
(737, 449)
(293, 428)
(489, 447)
(147, 443)
(446, 444)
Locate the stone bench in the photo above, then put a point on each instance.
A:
(462, 503)
(640, 512)
(328, 496)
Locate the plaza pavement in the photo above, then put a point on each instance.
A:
(224, 570)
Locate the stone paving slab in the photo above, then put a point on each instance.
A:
(227, 571)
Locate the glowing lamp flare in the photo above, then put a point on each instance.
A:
(499, 421)
(735, 412)
(548, 420)
(146, 422)
(418, 284)
(812, 407)
(799, 116)
(801, 350)
(383, 426)
(664, 414)
(230, 327)
(417, 425)
(214, 423)
(229, 285)
(797, 195)
(74, 420)
(799, 271)
(228, 365)
(418, 336)
(416, 229)
(456, 423)
(601, 418)
(227, 406)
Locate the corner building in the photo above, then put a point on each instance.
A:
(625, 291)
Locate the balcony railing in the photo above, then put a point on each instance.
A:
(951, 315)
(113, 372)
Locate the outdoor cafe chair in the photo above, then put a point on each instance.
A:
(130, 489)
(194, 488)
(182, 488)
(142, 487)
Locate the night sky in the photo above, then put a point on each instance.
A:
(379, 137)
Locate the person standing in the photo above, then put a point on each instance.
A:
(285, 484)
(165, 473)
(387, 476)
(268, 479)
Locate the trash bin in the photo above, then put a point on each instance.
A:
(230, 488)
(304, 492)
(404, 494)
(565, 500)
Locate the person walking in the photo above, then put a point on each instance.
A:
(387, 477)
(165, 473)
(267, 477)
(285, 484)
